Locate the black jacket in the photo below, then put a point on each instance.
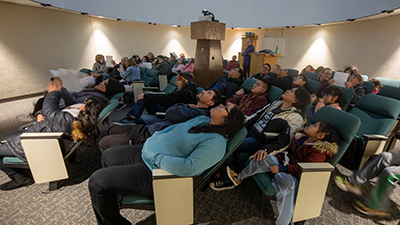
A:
(184, 95)
(226, 85)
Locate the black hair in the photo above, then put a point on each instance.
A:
(303, 98)
(304, 78)
(266, 82)
(331, 135)
(217, 99)
(241, 74)
(85, 126)
(234, 122)
(267, 65)
(335, 91)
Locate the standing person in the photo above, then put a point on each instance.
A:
(385, 166)
(184, 149)
(231, 64)
(247, 57)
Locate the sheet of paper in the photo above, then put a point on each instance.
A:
(340, 78)
(109, 58)
(147, 65)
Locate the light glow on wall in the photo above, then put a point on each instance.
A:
(102, 44)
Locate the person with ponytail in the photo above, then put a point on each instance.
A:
(78, 120)
(184, 149)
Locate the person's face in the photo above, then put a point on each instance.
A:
(234, 73)
(353, 80)
(180, 61)
(312, 131)
(259, 87)
(326, 74)
(220, 112)
(205, 96)
(151, 56)
(298, 81)
(101, 60)
(180, 84)
(123, 60)
(102, 86)
(160, 59)
(290, 96)
(144, 59)
(275, 69)
(190, 60)
(234, 58)
(248, 42)
(283, 73)
(264, 69)
(329, 99)
(308, 68)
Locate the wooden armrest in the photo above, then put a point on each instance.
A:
(271, 134)
(374, 137)
(162, 174)
(314, 167)
(43, 135)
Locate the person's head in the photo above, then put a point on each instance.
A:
(333, 95)
(265, 69)
(211, 97)
(322, 131)
(172, 58)
(276, 68)
(130, 62)
(377, 84)
(110, 87)
(236, 73)
(298, 97)
(283, 73)
(230, 120)
(99, 58)
(123, 60)
(350, 70)
(179, 61)
(308, 68)
(249, 41)
(241, 92)
(85, 127)
(325, 74)
(145, 59)
(260, 86)
(300, 80)
(191, 60)
(160, 58)
(150, 55)
(355, 79)
(182, 56)
(319, 69)
(182, 80)
(234, 57)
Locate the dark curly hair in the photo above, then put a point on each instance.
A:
(331, 134)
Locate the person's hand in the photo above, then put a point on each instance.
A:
(53, 86)
(40, 118)
(348, 84)
(239, 92)
(274, 169)
(140, 96)
(113, 62)
(314, 98)
(95, 75)
(331, 81)
(260, 154)
(118, 69)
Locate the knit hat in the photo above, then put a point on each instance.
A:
(184, 78)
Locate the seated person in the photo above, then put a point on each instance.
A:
(161, 65)
(231, 64)
(189, 67)
(80, 121)
(229, 83)
(356, 82)
(177, 67)
(281, 79)
(350, 70)
(145, 59)
(386, 167)
(282, 117)
(114, 72)
(325, 80)
(276, 68)
(152, 102)
(308, 68)
(251, 103)
(377, 86)
(300, 81)
(197, 145)
(132, 72)
(265, 70)
(100, 64)
(151, 57)
(178, 113)
(333, 97)
(315, 143)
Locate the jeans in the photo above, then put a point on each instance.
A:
(137, 109)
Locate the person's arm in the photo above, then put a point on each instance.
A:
(190, 68)
(248, 50)
(180, 96)
(255, 105)
(180, 112)
(67, 97)
(234, 100)
(359, 93)
(319, 105)
(230, 90)
(209, 152)
(53, 114)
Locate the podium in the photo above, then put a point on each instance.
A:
(258, 59)
(208, 64)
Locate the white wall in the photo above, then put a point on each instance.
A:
(34, 40)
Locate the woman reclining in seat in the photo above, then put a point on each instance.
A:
(79, 120)
(184, 149)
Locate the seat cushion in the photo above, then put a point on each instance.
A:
(134, 199)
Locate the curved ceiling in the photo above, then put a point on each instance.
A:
(235, 13)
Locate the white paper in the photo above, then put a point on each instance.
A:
(71, 79)
(109, 58)
(147, 65)
(340, 78)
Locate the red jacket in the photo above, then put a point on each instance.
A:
(249, 104)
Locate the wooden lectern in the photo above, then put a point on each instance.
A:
(259, 59)
(208, 65)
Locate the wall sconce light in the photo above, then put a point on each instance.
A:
(232, 28)
(44, 5)
(259, 28)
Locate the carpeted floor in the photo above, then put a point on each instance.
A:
(242, 205)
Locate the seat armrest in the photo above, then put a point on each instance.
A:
(374, 137)
(162, 174)
(161, 115)
(150, 88)
(313, 166)
(43, 135)
(271, 134)
(137, 81)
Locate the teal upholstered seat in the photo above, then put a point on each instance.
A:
(313, 86)
(310, 75)
(274, 94)
(369, 87)
(388, 82)
(293, 72)
(248, 84)
(143, 70)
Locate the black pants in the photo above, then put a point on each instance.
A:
(123, 172)
(246, 70)
(124, 135)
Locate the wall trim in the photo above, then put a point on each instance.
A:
(20, 97)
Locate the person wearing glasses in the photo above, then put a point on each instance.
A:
(325, 79)
(281, 79)
(251, 103)
(356, 82)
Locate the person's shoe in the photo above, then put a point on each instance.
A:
(16, 183)
(359, 206)
(25, 118)
(345, 185)
(221, 186)
(233, 176)
(120, 106)
(125, 121)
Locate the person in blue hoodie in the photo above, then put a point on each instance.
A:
(184, 149)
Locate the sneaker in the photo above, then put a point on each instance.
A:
(359, 206)
(233, 176)
(120, 106)
(125, 121)
(25, 118)
(221, 186)
(13, 184)
(345, 185)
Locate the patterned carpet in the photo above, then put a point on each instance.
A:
(242, 205)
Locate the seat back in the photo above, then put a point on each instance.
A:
(365, 77)
(389, 91)
(171, 87)
(111, 106)
(199, 90)
(369, 87)
(347, 96)
(311, 75)
(105, 76)
(85, 70)
(149, 76)
(274, 94)
(143, 70)
(388, 82)
(313, 86)
(293, 72)
(248, 84)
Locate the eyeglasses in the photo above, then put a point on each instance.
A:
(299, 77)
(258, 84)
